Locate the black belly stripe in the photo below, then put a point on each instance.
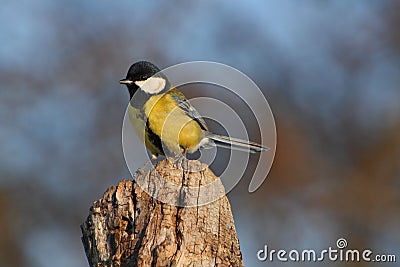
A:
(154, 139)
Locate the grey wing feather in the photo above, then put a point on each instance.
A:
(190, 111)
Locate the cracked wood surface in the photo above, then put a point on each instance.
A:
(128, 227)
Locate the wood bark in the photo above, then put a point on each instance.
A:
(129, 227)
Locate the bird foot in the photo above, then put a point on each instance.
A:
(142, 170)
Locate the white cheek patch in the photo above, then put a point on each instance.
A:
(152, 85)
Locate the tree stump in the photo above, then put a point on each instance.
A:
(129, 227)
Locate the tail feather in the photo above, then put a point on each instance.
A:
(236, 143)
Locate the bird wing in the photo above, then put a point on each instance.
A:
(187, 108)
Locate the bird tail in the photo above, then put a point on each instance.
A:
(235, 143)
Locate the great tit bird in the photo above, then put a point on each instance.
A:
(165, 121)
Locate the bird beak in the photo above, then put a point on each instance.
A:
(125, 81)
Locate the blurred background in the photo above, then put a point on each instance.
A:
(329, 69)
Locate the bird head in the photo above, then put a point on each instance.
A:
(144, 76)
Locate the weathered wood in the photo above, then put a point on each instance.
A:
(128, 227)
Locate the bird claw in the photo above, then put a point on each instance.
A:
(186, 165)
(142, 170)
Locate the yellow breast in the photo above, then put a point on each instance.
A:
(139, 125)
(177, 130)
